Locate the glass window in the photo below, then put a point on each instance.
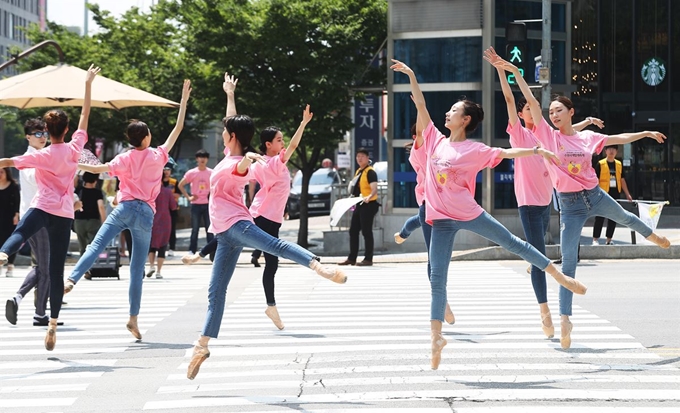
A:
(438, 103)
(510, 10)
(451, 59)
(652, 55)
(504, 185)
(404, 180)
(675, 58)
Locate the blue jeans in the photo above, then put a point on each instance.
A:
(410, 225)
(575, 209)
(229, 246)
(535, 220)
(427, 234)
(199, 216)
(59, 234)
(443, 234)
(137, 216)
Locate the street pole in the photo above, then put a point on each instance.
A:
(85, 21)
(546, 52)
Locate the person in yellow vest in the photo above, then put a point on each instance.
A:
(365, 184)
(610, 171)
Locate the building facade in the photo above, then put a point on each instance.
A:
(613, 58)
(15, 17)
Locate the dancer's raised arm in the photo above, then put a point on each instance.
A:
(505, 87)
(87, 100)
(417, 95)
(229, 86)
(172, 138)
(295, 140)
(624, 138)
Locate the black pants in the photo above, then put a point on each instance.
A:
(271, 261)
(597, 227)
(362, 220)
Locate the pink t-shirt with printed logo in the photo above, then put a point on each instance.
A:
(576, 172)
(140, 174)
(452, 169)
(226, 205)
(532, 180)
(55, 166)
(418, 159)
(274, 178)
(200, 184)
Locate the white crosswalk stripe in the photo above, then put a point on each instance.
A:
(365, 346)
(94, 328)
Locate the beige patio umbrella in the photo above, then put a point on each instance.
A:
(64, 85)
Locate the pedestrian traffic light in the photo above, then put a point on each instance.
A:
(515, 49)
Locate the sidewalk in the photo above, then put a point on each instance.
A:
(622, 248)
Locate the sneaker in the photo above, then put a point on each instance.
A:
(9, 273)
(171, 253)
(609, 243)
(159, 276)
(595, 242)
(11, 309)
(151, 272)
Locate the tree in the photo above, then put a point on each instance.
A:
(287, 53)
(140, 49)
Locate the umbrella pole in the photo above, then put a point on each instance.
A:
(15, 58)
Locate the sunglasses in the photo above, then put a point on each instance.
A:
(40, 134)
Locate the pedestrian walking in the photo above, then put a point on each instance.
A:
(52, 207)
(93, 213)
(199, 180)
(140, 171)
(171, 182)
(452, 167)
(9, 212)
(162, 228)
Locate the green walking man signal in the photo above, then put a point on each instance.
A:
(515, 49)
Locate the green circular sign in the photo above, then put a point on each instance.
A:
(653, 71)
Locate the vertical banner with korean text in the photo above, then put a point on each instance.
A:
(367, 126)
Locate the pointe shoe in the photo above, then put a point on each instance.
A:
(438, 343)
(659, 240)
(273, 315)
(567, 282)
(51, 336)
(565, 334)
(3, 259)
(448, 315)
(398, 238)
(548, 328)
(132, 328)
(191, 259)
(200, 354)
(334, 274)
(68, 286)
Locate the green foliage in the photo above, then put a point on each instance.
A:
(140, 49)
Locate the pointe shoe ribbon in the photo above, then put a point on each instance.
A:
(548, 329)
(438, 343)
(200, 355)
(565, 334)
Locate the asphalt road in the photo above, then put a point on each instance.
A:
(359, 346)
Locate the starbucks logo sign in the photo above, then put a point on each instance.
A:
(653, 71)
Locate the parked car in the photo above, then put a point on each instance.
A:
(319, 194)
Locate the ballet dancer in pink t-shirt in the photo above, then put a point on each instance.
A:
(533, 189)
(575, 180)
(452, 167)
(140, 171)
(52, 207)
(233, 226)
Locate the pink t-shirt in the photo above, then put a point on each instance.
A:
(274, 178)
(451, 175)
(200, 184)
(55, 166)
(418, 159)
(226, 205)
(576, 172)
(140, 174)
(532, 180)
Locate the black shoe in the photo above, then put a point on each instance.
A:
(88, 275)
(44, 321)
(365, 263)
(348, 262)
(255, 262)
(11, 309)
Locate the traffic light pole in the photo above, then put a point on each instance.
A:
(546, 52)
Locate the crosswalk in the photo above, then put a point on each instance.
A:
(89, 344)
(365, 345)
(359, 346)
